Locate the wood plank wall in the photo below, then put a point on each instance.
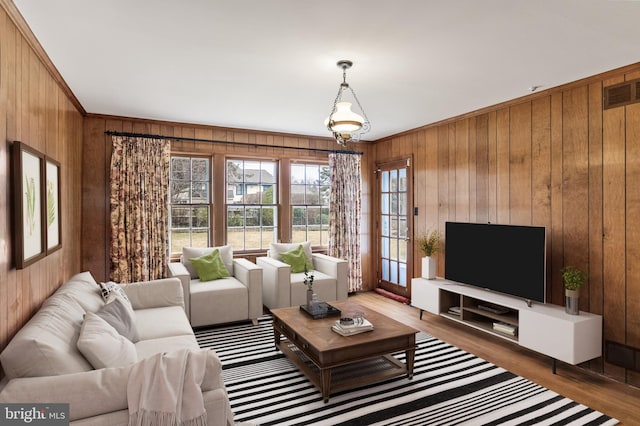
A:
(554, 159)
(97, 155)
(36, 110)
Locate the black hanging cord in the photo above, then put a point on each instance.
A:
(255, 145)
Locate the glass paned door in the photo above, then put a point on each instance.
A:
(394, 225)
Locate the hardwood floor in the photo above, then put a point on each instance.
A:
(586, 387)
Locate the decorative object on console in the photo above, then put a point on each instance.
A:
(573, 278)
(308, 281)
(350, 330)
(346, 125)
(322, 310)
(429, 243)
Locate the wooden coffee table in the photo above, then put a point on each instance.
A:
(334, 362)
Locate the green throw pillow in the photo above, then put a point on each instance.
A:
(297, 259)
(210, 266)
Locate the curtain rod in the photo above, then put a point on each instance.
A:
(255, 145)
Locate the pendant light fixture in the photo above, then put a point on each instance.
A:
(346, 125)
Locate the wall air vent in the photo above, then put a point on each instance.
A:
(622, 94)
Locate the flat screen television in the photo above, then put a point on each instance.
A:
(509, 259)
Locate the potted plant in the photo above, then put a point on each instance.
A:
(429, 243)
(308, 281)
(573, 278)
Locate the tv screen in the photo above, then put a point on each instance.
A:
(508, 259)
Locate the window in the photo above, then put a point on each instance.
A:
(189, 195)
(251, 204)
(310, 192)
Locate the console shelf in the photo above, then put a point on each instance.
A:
(544, 328)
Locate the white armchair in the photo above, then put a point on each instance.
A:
(281, 288)
(235, 298)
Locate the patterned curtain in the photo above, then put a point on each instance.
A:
(139, 209)
(345, 213)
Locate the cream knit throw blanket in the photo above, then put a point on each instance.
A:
(165, 389)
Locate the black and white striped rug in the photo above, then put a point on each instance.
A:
(449, 387)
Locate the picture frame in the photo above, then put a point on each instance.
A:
(51, 208)
(28, 187)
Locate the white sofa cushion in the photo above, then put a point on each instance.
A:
(160, 322)
(276, 249)
(218, 301)
(118, 313)
(149, 347)
(85, 290)
(226, 254)
(103, 346)
(46, 345)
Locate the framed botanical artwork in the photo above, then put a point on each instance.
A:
(28, 203)
(52, 205)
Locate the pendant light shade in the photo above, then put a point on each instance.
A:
(344, 124)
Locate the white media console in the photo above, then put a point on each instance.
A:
(544, 328)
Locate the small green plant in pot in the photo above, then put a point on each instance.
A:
(308, 281)
(429, 243)
(573, 278)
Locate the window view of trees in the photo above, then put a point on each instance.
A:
(310, 193)
(251, 204)
(189, 198)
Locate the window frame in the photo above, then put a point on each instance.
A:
(276, 204)
(292, 205)
(210, 205)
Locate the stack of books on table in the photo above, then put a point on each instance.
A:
(505, 328)
(454, 310)
(350, 330)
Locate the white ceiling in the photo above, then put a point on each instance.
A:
(271, 64)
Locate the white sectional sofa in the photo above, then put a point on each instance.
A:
(43, 365)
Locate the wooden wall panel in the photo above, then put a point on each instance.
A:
(460, 175)
(482, 169)
(520, 164)
(555, 292)
(419, 171)
(492, 174)
(614, 224)
(35, 110)
(541, 171)
(429, 216)
(632, 233)
(444, 213)
(575, 182)
(473, 173)
(555, 159)
(596, 276)
(502, 166)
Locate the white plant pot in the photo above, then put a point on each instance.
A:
(572, 302)
(429, 268)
